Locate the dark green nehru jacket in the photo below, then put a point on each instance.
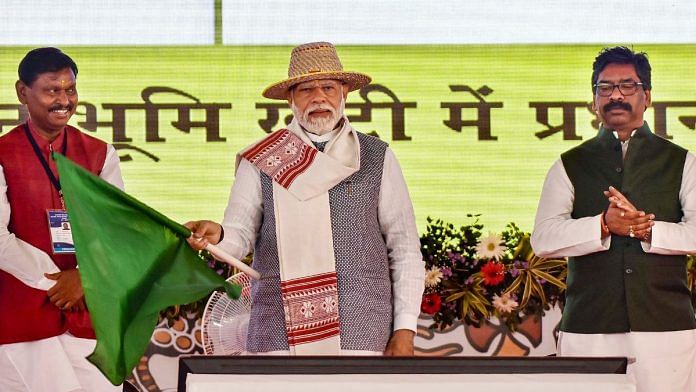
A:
(625, 289)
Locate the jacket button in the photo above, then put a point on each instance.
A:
(619, 170)
(629, 271)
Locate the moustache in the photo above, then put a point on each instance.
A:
(320, 106)
(617, 105)
(68, 107)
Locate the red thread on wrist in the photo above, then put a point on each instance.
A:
(605, 228)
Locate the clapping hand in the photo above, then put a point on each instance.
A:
(623, 218)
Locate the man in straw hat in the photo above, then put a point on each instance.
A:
(329, 218)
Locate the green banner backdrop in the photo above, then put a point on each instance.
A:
(475, 128)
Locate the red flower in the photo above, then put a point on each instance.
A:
(493, 273)
(431, 303)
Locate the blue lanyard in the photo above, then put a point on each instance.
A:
(44, 163)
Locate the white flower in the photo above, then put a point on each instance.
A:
(504, 304)
(329, 304)
(291, 148)
(307, 309)
(273, 161)
(490, 247)
(433, 276)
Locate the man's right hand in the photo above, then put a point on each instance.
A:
(203, 232)
(623, 218)
(67, 293)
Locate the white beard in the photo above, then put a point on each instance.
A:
(321, 125)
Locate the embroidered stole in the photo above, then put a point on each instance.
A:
(302, 177)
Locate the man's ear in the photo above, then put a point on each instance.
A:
(595, 109)
(648, 99)
(21, 90)
(345, 89)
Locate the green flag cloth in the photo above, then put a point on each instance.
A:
(133, 262)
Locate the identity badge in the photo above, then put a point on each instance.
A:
(61, 232)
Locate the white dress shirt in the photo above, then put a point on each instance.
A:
(556, 234)
(244, 214)
(24, 261)
(663, 360)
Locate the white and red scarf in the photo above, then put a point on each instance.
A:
(302, 177)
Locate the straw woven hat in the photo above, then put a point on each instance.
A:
(312, 61)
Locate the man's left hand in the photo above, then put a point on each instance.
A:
(67, 293)
(638, 223)
(400, 343)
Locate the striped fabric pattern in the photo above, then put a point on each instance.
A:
(311, 308)
(282, 156)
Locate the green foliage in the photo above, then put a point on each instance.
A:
(471, 285)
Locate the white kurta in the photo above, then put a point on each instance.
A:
(664, 361)
(397, 222)
(55, 364)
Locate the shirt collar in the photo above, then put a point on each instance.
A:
(616, 135)
(43, 142)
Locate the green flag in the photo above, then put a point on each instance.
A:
(133, 263)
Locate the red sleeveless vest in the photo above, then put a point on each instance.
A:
(27, 312)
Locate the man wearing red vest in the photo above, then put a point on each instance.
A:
(45, 333)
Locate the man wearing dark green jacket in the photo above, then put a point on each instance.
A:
(622, 207)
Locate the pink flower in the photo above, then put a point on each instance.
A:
(504, 303)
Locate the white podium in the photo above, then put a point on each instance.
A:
(402, 374)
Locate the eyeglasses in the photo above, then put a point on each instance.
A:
(625, 88)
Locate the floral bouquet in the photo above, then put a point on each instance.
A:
(472, 278)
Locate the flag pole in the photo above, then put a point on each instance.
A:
(225, 257)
